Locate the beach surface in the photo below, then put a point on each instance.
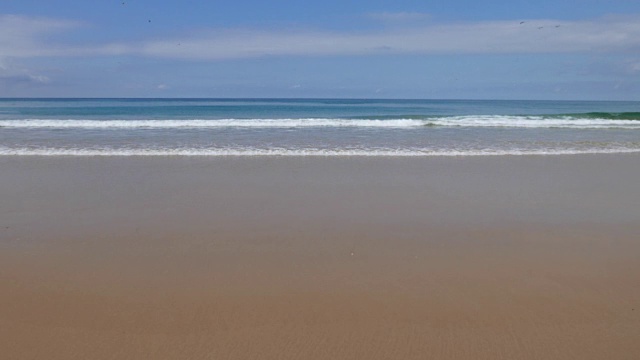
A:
(490, 257)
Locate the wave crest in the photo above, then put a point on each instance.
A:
(472, 121)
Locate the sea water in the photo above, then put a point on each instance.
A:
(314, 127)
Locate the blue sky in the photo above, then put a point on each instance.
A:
(457, 49)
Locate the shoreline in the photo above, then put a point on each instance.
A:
(303, 153)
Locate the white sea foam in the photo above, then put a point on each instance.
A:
(278, 152)
(456, 121)
(210, 123)
(534, 122)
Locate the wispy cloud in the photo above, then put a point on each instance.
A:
(24, 37)
(12, 75)
(531, 36)
(16, 79)
(398, 16)
(634, 67)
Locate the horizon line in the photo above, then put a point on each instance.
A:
(300, 98)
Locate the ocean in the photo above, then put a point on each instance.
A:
(315, 127)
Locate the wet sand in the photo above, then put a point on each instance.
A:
(320, 258)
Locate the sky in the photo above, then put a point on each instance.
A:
(439, 49)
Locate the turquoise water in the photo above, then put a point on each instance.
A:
(314, 127)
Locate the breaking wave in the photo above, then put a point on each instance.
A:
(581, 121)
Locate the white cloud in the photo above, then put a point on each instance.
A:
(532, 36)
(25, 78)
(27, 37)
(398, 16)
(22, 36)
(12, 74)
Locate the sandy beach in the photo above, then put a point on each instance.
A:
(505, 257)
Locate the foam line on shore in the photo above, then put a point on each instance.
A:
(296, 152)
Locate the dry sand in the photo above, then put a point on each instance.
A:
(300, 258)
